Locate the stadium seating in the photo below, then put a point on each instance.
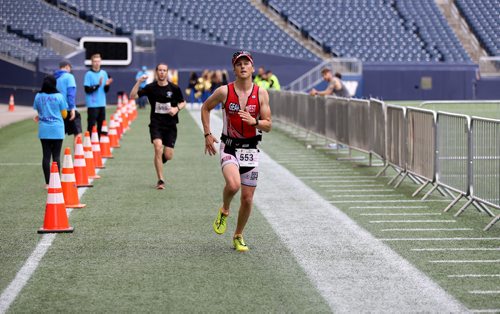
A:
(22, 48)
(377, 30)
(483, 16)
(199, 20)
(33, 17)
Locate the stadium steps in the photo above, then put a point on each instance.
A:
(460, 27)
(288, 29)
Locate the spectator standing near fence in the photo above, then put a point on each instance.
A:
(261, 78)
(335, 85)
(273, 81)
(166, 101)
(66, 85)
(96, 83)
(246, 113)
(52, 109)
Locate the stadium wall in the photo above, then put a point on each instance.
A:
(487, 88)
(419, 81)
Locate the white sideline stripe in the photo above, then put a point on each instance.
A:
(411, 221)
(20, 164)
(439, 239)
(338, 181)
(330, 177)
(365, 190)
(459, 261)
(366, 195)
(484, 291)
(486, 311)
(474, 276)
(428, 229)
(349, 185)
(345, 261)
(455, 249)
(386, 207)
(400, 214)
(389, 201)
(24, 274)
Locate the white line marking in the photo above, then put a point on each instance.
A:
(366, 190)
(366, 196)
(349, 185)
(474, 276)
(20, 164)
(458, 261)
(439, 239)
(331, 177)
(347, 261)
(455, 249)
(400, 214)
(24, 274)
(412, 221)
(486, 311)
(389, 201)
(484, 292)
(387, 207)
(428, 229)
(338, 181)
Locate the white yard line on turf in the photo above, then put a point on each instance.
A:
(426, 229)
(387, 207)
(460, 261)
(365, 195)
(350, 185)
(412, 221)
(484, 292)
(389, 201)
(439, 239)
(400, 214)
(24, 274)
(443, 249)
(474, 276)
(345, 262)
(363, 191)
(486, 311)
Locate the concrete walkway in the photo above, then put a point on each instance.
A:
(20, 113)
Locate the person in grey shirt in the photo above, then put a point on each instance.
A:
(335, 85)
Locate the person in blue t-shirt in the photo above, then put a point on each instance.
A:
(52, 109)
(96, 84)
(142, 101)
(66, 85)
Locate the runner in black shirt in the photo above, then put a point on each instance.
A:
(166, 101)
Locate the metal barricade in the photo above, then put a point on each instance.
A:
(342, 120)
(378, 128)
(358, 124)
(453, 153)
(330, 118)
(486, 164)
(421, 143)
(303, 101)
(320, 113)
(396, 140)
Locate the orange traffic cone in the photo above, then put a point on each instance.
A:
(105, 143)
(81, 175)
(56, 218)
(89, 157)
(119, 125)
(113, 134)
(68, 182)
(96, 149)
(11, 103)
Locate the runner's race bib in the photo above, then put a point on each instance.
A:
(247, 157)
(162, 108)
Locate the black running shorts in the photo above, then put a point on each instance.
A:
(73, 127)
(167, 134)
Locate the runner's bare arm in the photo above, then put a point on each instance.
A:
(263, 122)
(135, 89)
(217, 97)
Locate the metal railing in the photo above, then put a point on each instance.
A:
(345, 66)
(489, 66)
(61, 44)
(451, 152)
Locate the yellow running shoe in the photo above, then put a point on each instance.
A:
(220, 223)
(239, 243)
